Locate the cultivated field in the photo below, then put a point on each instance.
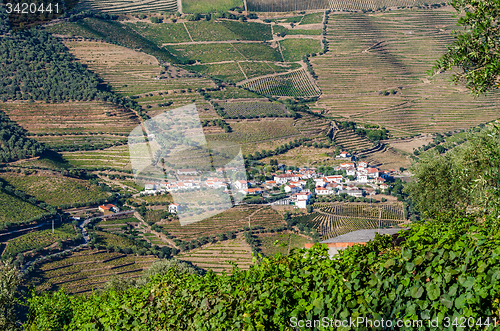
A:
(208, 6)
(15, 210)
(294, 49)
(130, 72)
(253, 109)
(73, 123)
(350, 141)
(376, 72)
(218, 256)
(334, 219)
(232, 219)
(114, 157)
(126, 7)
(338, 5)
(88, 270)
(295, 84)
(249, 131)
(54, 189)
(39, 239)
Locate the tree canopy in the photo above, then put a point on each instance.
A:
(464, 178)
(475, 51)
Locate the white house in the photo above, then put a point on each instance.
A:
(292, 189)
(241, 184)
(109, 208)
(362, 177)
(351, 171)
(372, 172)
(173, 208)
(334, 179)
(362, 165)
(285, 178)
(323, 191)
(320, 181)
(303, 196)
(301, 204)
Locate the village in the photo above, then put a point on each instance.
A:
(296, 186)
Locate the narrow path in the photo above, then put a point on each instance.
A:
(244, 3)
(244, 74)
(86, 240)
(179, 6)
(237, 50)
(185, 27)
(159, 234)
(214, 42)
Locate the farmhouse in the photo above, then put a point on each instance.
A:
(109, 208)
(241, 184)
(173, 208)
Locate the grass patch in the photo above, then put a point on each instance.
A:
(206, 53)
(258, 52)
(230, 92)
(209, 6)
(282, 29)
(229, 72)
(294, 49)
(210, 31)
(313, 18)
(161, 33)
(249, 31)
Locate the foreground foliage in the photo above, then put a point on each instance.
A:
(447, 267)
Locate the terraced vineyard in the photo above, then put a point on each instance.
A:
(376, 72)
(230, 220)
(285, 5)
(332, 220)
(127, 7)
(350, 141)
(311, 126)
(88, 270)
(218, 256)
(338, 5)
(15, 210)
(391, 211)
(61, 125)
(130, 72)
(114, 157)
(295, 84)
(53, 188)
(39, 239)
(254, 109)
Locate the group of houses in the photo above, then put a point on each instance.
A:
(354, 179)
